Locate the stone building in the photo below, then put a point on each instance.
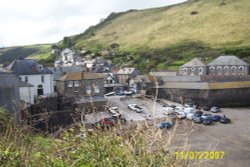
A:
(9, 91)
(82, 88)
(228, 65)
(125, 74)
(193, 68)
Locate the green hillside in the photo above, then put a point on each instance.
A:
(37, 52)
(167, 37)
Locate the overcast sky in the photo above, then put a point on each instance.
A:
(24, 22)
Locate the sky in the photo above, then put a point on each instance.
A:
(25, 22)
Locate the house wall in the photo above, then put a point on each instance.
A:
(123, 78)
(48, 84)
(9, 92)
(228, 70)
(192, 71)
(78, 92)
(27, 94)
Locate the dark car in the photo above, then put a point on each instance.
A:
(197, 119)
(225, 120)
(198, 113)
(173, 106)
(206, 108)
(216, 118)
(207, 121)
(165, 125)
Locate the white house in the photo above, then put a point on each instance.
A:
(35, 74)
(68, 58)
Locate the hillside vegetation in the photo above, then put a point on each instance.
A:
(167, 37)
(37, 52)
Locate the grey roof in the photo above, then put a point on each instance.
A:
(164, 73)
(126, 71)
(25, 84)
(229, 60)
(27, 67)
(61, 71)
(194, 63)
(4, 71)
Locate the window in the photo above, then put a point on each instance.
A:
(88, 90)
(26, 79)
(233, 69)
(70, 84)
(97, 87)
(241, 70)
(211, 70)
(200, 70)
(42, 78)
(219, 70)
(185, 71)
(76, 83)
(40, 67)
(226, 70)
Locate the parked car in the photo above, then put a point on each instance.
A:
(168, 110)
(206, 108)
(110, 94)
(114, 111)
(216, 118)
(104, 123)
(129, 93)
(215, 109)
(181, 115)
(188, 110)
(197, 119)
(135, 108)
(120, 93)
(225, 120)
(198, 113)
(165, 125)
(207, 121)
(204, 116)
(178, 109)
(188, 104)
(173, 106)
(189, 116)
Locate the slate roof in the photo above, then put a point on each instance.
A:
(79, 76)
(60, 71)
(228, 60)
(163, 73)
(126, 71)
(27, 67)
(194, 63)
(145, 78)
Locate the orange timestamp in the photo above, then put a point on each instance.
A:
(198, 155)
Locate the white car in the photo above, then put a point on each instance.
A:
(190, 116)
(135, 108)
(188, 110)
(114, 111)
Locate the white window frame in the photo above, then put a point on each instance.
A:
(97, 87)
(76, 83)
(88, 89)
(70, 84)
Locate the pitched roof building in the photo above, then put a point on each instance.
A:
(193, 68)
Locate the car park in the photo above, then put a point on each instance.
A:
(215, 109)
(216, 118)
(188, 105)
(225, 120)
(135, 108)
(165, 125)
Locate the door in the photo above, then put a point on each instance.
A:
(40, 90)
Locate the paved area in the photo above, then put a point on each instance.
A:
(233, 138)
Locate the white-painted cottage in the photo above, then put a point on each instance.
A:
(27, 92)
(34, 74)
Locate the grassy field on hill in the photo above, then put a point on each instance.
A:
(167, 37)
